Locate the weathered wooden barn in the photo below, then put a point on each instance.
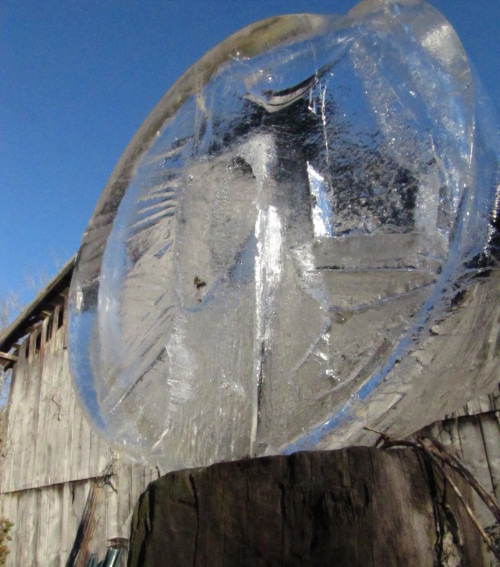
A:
(69, 494)
(55, 470)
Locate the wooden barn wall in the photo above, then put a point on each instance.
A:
(473, 434)
(51, 455)
(46, 519)
(48, 438)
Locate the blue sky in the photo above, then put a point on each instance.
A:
(78, 77)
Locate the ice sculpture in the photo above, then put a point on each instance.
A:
(285, 239)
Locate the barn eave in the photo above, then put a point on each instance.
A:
(52, 294)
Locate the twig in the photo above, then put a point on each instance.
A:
(439, 464)
(58, 408)
(382, 436)
(455, 463)
(441, 457)
(107, 474)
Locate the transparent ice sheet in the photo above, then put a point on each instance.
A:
(287, 227)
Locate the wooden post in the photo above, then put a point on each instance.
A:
(359, 506)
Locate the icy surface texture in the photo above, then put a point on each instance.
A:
(288, 226)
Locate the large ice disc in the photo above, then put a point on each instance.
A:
(272, 259)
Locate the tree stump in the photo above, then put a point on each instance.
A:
(359, 506)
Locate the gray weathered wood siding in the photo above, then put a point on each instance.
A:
(51, 456)
(49, 439)
(46, 519)
(473, 434)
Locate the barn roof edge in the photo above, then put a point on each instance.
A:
(34, 311)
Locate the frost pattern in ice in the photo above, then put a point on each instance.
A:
(286, 226)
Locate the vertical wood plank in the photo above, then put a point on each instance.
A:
(29, 413)
(7, 456)
(60, 396)
(15, 437)
(33, 406)
(490, 427)
(23, 524)
(51, 398)
(32, 530)
(66, 542)
(54, 519)
(24, 435)
(40, 465)
(76, 426)
(106, 455)
(15, 544)
(64, 399)
(84, 449)
(136, 482)
(70, 432)
(112, 511)
(74, 513)
(95, 447)
(124, 503)
(43, 544)
(38, 552)
(495, 399)
(101, 536)
(484, 403)
(79, 492)
(474, 455)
